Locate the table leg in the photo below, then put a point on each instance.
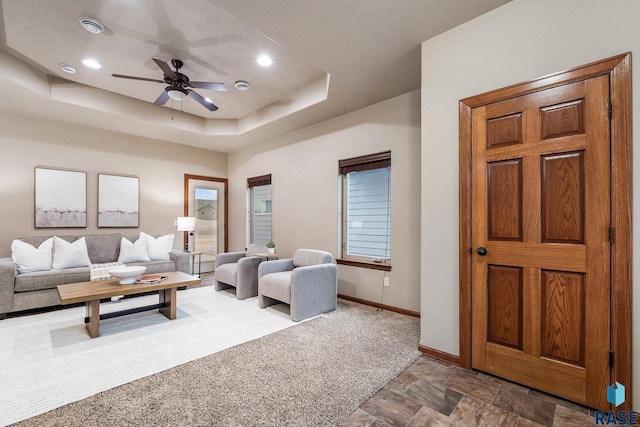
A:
(168, 297)
(93, 314)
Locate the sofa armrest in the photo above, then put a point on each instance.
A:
(276, 266)
(8, 272)
(228, 257)
(182, 260)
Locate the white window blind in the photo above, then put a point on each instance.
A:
(366, 206)
(260, 209)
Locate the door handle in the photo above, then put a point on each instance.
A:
(481, 251)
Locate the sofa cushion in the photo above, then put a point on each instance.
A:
(227, 273)
(39, 280)
(133, 252)
(29, 258)
(158, 248)
(103, 248)
(69, 255)
(304, 257)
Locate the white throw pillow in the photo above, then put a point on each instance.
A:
(133, 252)
(30, 258)
(158, 248)
(69, 255)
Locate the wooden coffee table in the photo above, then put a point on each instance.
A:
(92, 292)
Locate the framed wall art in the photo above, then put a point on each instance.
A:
(118, 200)
(60, 198)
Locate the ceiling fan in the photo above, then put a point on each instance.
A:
(179, 85)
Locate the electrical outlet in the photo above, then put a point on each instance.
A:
(386, 281)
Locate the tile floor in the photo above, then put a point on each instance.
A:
(433, 393)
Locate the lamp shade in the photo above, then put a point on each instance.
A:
(187, 223)
(177, 94)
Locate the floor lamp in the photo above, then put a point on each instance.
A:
(188, 224)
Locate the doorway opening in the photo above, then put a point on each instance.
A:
(205, 198)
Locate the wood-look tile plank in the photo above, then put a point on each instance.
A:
(391, 408)
(402, 382)
(525, 405)
(528, 423)
(430, 369)
(568, 417)
(473, 386)
(501, 382)
(472, 412)
(559, 401)
(358, 418)
(433, 395)
(427, 417)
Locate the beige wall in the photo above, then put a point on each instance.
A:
(27, 142)
(304, 169)
(520, 41)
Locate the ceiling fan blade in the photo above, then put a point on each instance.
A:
(210, 85)
(162, 99)
(200, 99)
(122, 76)
(165, 68)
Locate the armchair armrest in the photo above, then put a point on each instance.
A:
(8, 271)
(277, 266)
(228, 257)
(314, 290)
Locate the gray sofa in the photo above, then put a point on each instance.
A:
(23, 291)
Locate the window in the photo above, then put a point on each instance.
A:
(366, 210)
(259, 209)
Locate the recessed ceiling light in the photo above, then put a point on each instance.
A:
(264, 60)
(68, 68)
(91, 63)
(241, 85)
(92, 25)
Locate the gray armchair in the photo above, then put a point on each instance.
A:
(239, 270)
(308, 282)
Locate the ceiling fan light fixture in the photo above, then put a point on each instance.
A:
(91, 24)
(241, 85)
(177, 94)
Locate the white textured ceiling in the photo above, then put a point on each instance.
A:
(330, 57)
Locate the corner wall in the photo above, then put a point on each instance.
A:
(27, 142)
(519, 41)
(304, 169)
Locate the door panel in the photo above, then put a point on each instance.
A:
(541, 208)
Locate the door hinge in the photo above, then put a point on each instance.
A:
(611, 235)
(610, 111)
(611, 359)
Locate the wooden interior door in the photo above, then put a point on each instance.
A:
(541, 240)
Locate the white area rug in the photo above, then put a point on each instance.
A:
(48, 360)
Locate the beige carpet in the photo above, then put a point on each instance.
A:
(314, 374)
(48, 357)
